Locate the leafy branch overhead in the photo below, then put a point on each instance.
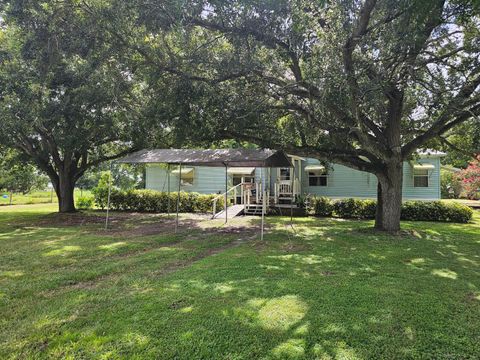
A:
(359, 73)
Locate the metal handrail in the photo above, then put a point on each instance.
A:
(220, 196)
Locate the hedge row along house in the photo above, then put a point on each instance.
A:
(245, 186)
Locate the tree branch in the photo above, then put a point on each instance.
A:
(456, 148)
(444, 122)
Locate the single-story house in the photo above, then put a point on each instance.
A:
(421, 180)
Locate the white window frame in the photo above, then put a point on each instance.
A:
(425, 174)
(244, 178)
(285, 178)
(318, 174)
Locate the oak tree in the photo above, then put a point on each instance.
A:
(362, 83)
(68, 102)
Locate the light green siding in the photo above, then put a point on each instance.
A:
(346, 182)
(342, 181)
(422, 193)
(206, 180)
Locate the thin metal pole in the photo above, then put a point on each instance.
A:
(168, 190)
(263, 203)
(178, 195)
(108, 197)
(293, 192)
(291, 211)
(226, 193)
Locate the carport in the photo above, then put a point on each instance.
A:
(226, 158)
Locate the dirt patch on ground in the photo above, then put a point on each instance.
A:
(140, 224)
(328, 273)
(403, 233)
(153, 224)
(161, 225)
(79, 285)
(295, 247)
(473, 297)
(79, 219)
(119, 223)
(178, 304)
(127, 224)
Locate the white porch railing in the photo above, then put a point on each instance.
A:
(252, 193)
(233, 189)
(287, 187)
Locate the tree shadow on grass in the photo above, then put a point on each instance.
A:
(327, 290)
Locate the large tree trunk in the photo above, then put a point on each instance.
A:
(65, 189)
(389, 198)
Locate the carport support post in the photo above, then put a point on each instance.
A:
(168, 190)
(226, 193)
(178, 195)
(263, 202)
(108, 197)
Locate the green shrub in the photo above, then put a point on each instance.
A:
(345, 208)
(450, 185)
(349, 208)
(155, 201)
(355, 208)
(369, 209)
(411, 210)
(321, 206)
(302, 201)
(100, 192)
(436, 211)
(85, 202)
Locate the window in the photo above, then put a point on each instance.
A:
(420, 178)
(285, 174)
(317, 178)
(187, 179)
(237, 179)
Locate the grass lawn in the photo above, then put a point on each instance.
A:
(36, 197)
(330, 289)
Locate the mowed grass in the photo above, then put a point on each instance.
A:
(324, 289)
(36, 197)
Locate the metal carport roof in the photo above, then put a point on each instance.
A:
(211, 157)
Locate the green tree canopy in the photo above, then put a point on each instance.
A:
(361, 83)
(69, 101)
(462, 144)
(16, 175)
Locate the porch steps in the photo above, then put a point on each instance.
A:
(253, 209)
(232, 211)
(286, 206)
